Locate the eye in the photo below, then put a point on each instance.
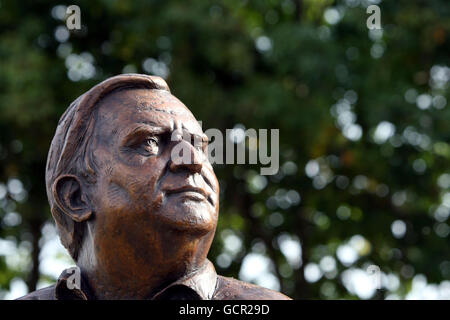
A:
(151, 145)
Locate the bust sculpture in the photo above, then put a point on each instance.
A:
(137, 222)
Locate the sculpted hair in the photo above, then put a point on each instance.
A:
(70, 152)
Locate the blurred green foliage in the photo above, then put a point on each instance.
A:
(363, 119)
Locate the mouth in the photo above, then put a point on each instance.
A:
(192, 193)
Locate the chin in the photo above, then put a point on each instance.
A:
(188, 216)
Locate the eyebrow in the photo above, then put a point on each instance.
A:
(149, 127)
(145, 128)
(153, 127)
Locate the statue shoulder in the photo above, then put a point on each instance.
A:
(233, 289)
(47, 293)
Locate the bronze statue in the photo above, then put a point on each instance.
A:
(138, 223)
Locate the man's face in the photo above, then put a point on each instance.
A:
(143, 192)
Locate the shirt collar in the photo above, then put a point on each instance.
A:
(201, 285)
(202, 282)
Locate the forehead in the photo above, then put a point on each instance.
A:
(132, 106)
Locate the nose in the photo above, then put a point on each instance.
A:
(185, 157)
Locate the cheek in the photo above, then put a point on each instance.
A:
(133, 187)
(117, 196)
(123, 202)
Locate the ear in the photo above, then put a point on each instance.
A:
(69, 196)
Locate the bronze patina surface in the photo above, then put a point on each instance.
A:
(137, 221)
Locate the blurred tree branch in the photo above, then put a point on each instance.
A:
(298, 10)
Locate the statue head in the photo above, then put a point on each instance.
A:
(129, 182)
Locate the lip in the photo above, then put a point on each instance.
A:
(192, 192)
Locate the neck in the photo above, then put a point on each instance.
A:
(124, 275)
(133, 287)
